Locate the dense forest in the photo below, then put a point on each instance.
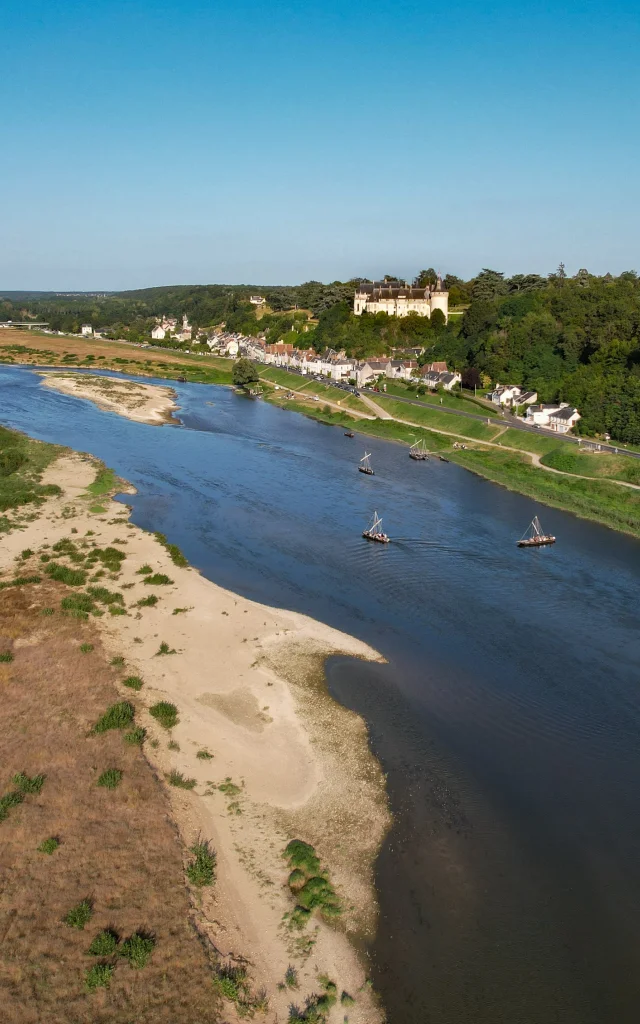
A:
(571, 338)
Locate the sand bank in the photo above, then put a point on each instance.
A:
(145, 403)
(248, 684)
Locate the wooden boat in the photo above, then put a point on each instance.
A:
(374, 532)
(349, 433)
(418, 451)
(442, 458)
(533, 537)
(181, 380)
(365, 465)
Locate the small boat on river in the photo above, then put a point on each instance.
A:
(365, 465)
(374, 531)
(533, 537)
(349, 433)
(418, 451)
(442, 458)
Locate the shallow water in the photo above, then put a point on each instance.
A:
(507, 718)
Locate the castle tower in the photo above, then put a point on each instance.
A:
(439, 298)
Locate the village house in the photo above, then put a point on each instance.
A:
(257, 300)
(440, 367)
(398, 299)
(158, 333)
(369, 370)
(439, 379)
(279, 354)
(560, 417)
(401, 369)
(86, 330)
(504, 394)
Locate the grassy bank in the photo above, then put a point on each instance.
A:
(22, 463)
(437, 419)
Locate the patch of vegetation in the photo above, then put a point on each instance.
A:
(26, 553)
(22, 462)
(78, 606)
(204, 755)
(202, 869)
(47, 611)
(104, 944)
(97, 509)
(136, 735)
(98, 976)
(229, 788)
(180, 611)
(49, 845)
(45, 558)
(233, 984)
(165, 714)
(108, 597)
(133, 682)
(291, 977)
(104, 482)
(158, 579)
(174, 551)
(172, 745)
(80, 915)
(6, 656)
(309, 884)
(26, 784)
(63, 574)
(137, 949)
(20, 581)
(86, 648)
(118, 716)
(148, 602)
(118, 661)
(346, 999)
(175, 778)
(110, 557)
(110, 779)
(144, 570)
(164, 649)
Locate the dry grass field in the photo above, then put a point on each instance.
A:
(118, 848)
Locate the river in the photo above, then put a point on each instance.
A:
(507, 717)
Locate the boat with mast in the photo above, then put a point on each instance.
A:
(418, 451)
(365, 465)
(533, 537)
(374, 530)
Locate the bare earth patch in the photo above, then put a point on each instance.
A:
(145, 403)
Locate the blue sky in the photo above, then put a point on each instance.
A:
(169, 142)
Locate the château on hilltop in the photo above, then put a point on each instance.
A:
(397, 299)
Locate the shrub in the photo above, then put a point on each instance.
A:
(173, 745)
(201, 870)
(144, 570)
(302, 855)
(6, 656)
(133, 682)
(49, 845)
(98, 976)
(111, 558)
(147, 602)
(118, 661)
(28, 785)
(136, 735)
(204, 755)
(111, 778)
(104, 943)
(296, 879)
(20, 581)
(179, 611)
(63, 574)
(45, 558)
(116, 609)
(105, 596)
(164, 649)
(232, 982)
(26, 553)
(77, 605)
(346, 999)
(137, 949)
(46, 611)
(291, 977)
(165, 714)
(157, 580)
(229, 788)
(80, 915)
(175, 778)
(86, 648)
(118, 716)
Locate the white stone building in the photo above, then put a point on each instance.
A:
(158, 333)
(86, 331)
(560, 417)
(398, 299)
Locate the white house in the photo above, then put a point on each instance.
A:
(232, 348)
(401, 369)
(86, 330)
(446, 380)
(560, 417)
(505, 394)
(257, 300)
(158, 333)
(368, 371)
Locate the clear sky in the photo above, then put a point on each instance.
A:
(183, 141)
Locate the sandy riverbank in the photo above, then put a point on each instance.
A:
(248, 684)
(144, 403)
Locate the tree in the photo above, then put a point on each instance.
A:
(425, 278)
(489, 284)
(471, 378)
(244, 372)
(438, 320)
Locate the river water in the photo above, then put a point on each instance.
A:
(507, 717)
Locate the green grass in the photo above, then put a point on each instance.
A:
(438, 420)
(26, 784)
(108, 597)
(98, 976)
(201, 870)
(450, 400)
(110, 779)
(8, 802)
(63, 574)
(148, 602)
(229, 788)
(204, 755)
(165, 714)
(118, 716)
(97, 509)
(309, 885)
(20, 581)
(86, 648)
(164, 649)
(118, 661)
(174, 551)
(105, 482)
(80, 915)
(180, 611)
(22, 463)
(133, 682)
(6, 656)
(158, 579)
(144, 570)
(177, 779)
(136, 736)
(49, 846)
(77, 606)
(569, 459)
